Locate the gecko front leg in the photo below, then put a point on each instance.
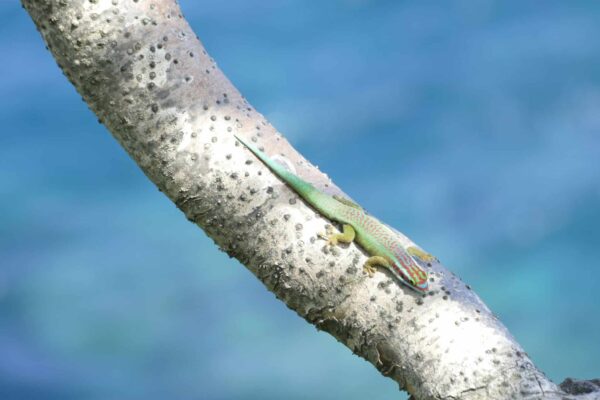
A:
(371, 262)
(420, 254)
(346, 202)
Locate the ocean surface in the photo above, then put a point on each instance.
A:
(471, 126)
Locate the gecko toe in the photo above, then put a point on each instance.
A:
(369, 270)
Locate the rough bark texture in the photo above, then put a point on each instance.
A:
(145, 74)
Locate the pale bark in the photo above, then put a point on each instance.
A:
(142, 70)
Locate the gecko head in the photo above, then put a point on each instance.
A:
(421, 286)
(411, 275)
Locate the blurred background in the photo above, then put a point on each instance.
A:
(473, 126)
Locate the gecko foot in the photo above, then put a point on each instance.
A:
(369, 269)
(334, 238)
(372, 261)
(329, 235)
(331, 239)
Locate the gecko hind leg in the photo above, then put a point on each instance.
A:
(347, 236)
(420, 254)
(371, 262)
(346, 201)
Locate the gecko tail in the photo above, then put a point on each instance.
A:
(305, 189)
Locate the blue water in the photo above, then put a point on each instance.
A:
(474, 127)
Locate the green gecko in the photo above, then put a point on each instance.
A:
(376, 238)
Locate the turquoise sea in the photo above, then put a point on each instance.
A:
(471, 126)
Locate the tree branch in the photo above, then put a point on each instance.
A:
(145, 74)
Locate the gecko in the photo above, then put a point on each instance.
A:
(376, 238)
